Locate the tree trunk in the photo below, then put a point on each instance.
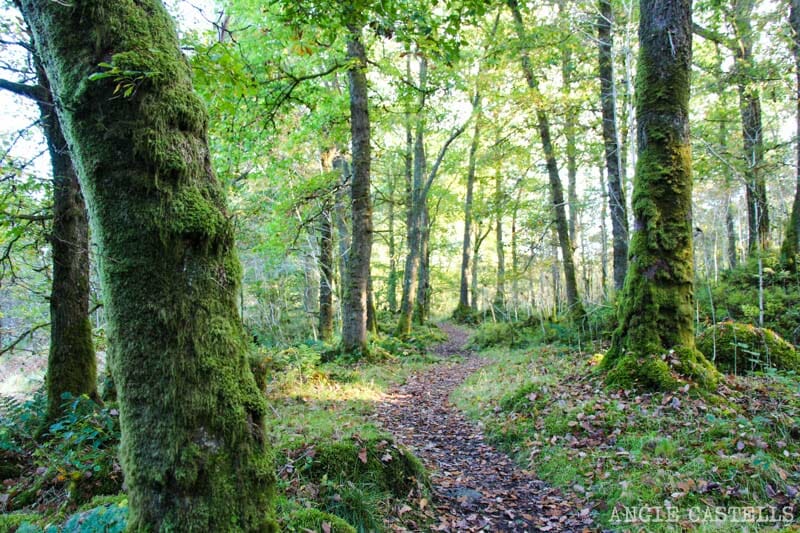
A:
(753, 135)
(193, 445)
(731, 231)
(391, 280)
(342, 215)
(354, 319)
(414, 222)
(603, 235)
(657, 303)
(613, 153)
(500, 288)
(791, 242)
(556, 188)
(423, 271)
(567, 68)
(466, 249)
(326, 258)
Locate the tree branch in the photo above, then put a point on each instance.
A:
(715, 37)
(34, 92)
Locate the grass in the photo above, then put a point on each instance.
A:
(668, 453)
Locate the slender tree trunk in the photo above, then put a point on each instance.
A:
(354, 320)
(342, 215)
(752, 133)
(372, 317)
(326, 258)
(479, 238)
(391, 281)
(603, 234)
(556, 188)
(731, 231)
(423, 271)
(657, 304)
(515, 255)
(791, 242)
(567, 69)
(613, 152)
(414, 219)
(193, 445)
(466, 249)
(500, 288)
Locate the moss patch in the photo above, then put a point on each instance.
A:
(313, 520)
(740, 348)
(377, 461)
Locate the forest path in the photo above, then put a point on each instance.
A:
(476, 487)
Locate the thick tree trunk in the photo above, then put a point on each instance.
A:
(193, 446)
(354, 319)
(466, 249)
(791, 242)
(613, 152)
(657, 303)
(326, 258)
(556, 188)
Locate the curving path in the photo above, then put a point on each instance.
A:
(476, 487)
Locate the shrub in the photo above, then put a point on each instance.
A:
(491, 334)
(742, 348)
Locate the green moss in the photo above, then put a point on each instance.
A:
(313, 519)
(741, 348)
(669, 371)
(9, 522)
(388, 467)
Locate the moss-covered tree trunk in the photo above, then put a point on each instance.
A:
(391, 280)
(71, 363)
(791, 242)
(556, 187)
(653, 346)
(613, 150)
(354, 312)
(192, 448)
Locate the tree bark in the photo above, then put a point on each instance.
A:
(391, 281)
(500, 288)
(791, 242)
(613, 153)
(326, 257)
(556, 188)
(193, 445)
(354, 319)
(657, 303)
(414, 218)
(466, 249)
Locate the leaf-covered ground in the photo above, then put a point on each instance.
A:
(476, 487)
(646, 462)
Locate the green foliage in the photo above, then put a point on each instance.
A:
(735, 297)
(466, 315)
(740, 348)
(313, 520)
(491, 334)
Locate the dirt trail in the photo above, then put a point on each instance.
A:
(477, 488)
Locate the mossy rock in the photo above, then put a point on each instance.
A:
(10, 522)
(313, 519)
(378, 462)
(742, 348)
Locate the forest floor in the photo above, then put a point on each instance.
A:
(476, 487)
